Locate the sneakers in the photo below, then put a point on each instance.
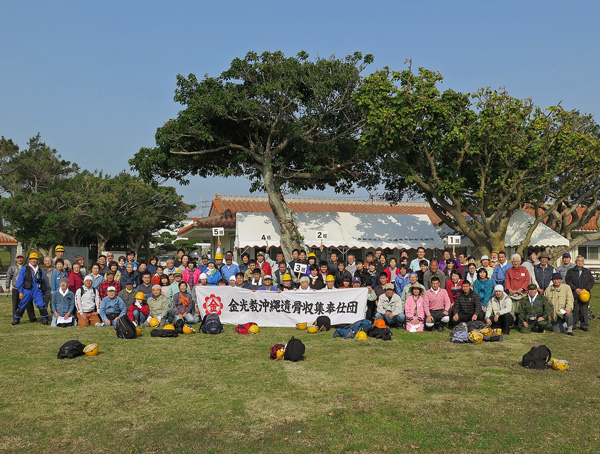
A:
(44, 321)
(98, 324)
(583, 329)
(440, 328)
(570, 334)
(15, 322)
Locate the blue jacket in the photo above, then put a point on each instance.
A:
(113, 306)
(484, 290)
(264, 287)
(56, 278)
(228, 272)
(401, 282)
(499, 274)
(214, 278)
(63, 304)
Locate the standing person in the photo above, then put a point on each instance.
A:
(333, 258)
(517, 278)
(96, 276)
(499, 274)
(32, 287)
(543, 273)
(561, 298)
(445, 257)
(164, 284)
(315, 281)
(351, 265)
(63, 302)
(415, 265)
(213, 275)
(494, 259)
(414, 310)
(102, 265)
(454, 286)
(391, 271)
(11, 287)
(565, 266)
(131, 259)
(499, 311)
(47, 271)
(114, 267)
(483, 287)
(470, 273)
(127, 294)
(402, 279)
(145, 286)
(421, 273)
(82, 268)
(179, 260)
(87, 302)
(75, 279)
(485, 264)
(580, 278)
(57, 275)
(437, 306)
(109, 281)
(245, 262)
(191, 276)
(59, 253)
(434, 270)
(128, 274)
(229, 269)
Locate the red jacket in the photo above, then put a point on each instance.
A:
(144, 310)
(453, 290)
(75, 281)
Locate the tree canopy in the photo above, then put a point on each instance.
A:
(285, 123)
(476, 158)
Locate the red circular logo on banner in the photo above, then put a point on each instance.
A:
(212, 304)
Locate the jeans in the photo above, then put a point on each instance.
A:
(396, 320)
(138, 317)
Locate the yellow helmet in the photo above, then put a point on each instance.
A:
(219, 256)
(559, 364)
(91, 349)
(361, 335)
(59, 248)
(312, 254)
(476, 337)
(286, 277)
(301, 325)
(584, 296)
(330, 278)
(497, 331)
(187, 329)
(254, 329)
(138, 330)
(487, 332)
(140, 296)
(312, 329)
(169, 326)
(280, 353)
(34, 255)
(153, 322)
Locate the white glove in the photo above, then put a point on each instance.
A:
(138, 304)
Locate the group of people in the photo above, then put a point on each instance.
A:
(420, 294)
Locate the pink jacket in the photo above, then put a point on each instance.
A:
(414, 309)
(186, 276)
(439, 302)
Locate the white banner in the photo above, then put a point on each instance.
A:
(237, 305)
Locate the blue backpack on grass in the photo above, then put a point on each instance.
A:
(350, 331)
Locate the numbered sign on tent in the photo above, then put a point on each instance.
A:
(300, 268)
(454, 239)
(321, 235)
(218, 231)
(266, 237)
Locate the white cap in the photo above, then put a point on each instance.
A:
(203, 276)
(232, 278)
(89, 276)
(498, 288)
(484, 257)
(111, 289)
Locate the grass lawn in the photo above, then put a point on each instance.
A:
(219, 394)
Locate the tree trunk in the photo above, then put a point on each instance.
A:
(101, 240)
(290, 235)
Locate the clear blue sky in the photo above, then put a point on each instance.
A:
(97, 79)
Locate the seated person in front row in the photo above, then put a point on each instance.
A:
(499, 310)
(414, 310)
(561, 298)
(63, 302)
(437, 305)
(112, 307)
(158, 304)
(467, 306)
(534, 311)
(183, 306)
(391, 308)
(268, 284)
(87, 302)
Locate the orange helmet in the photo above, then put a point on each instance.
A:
(379, 323)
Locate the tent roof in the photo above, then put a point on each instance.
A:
(352, 230)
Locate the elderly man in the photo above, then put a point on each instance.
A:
(391, 308)
(543, 273)
(529, 266)
(59, 253)
(11, 287)
(32, 287)
(565, 266)
(517, 278)
(499, 310)
(499, 274)
(159, 307)
(534, 310)
(580, 278)
(112, 308)
(467, 306)
(561, 298)
(436, 306)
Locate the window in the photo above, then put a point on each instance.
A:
(589, 252)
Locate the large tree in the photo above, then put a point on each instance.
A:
(285, 123)
(476, 158)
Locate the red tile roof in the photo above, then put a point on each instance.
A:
(223, 208)
(591, 225)
(7, 240)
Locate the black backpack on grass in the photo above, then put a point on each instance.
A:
(70, 349)
(212, 324)
(323, 322)
(125, 328)
(294, 350)
(163, 333)
(536, 358)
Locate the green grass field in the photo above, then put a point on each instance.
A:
(221, 394)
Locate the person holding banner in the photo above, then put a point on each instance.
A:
(391, 308)
(304, 283)
(315, 280)
(257, 280)
(286, 284)
(341, 273)
(240, 282)
(268, 280)
(282, 270)
(329, 283)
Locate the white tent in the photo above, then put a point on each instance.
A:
(520, 221)
(351, 230)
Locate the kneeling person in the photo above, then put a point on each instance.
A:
(158, 305)
(437, 306)
(112, 307)
(499, 310)
(63, 303)
(534, 311)
(139, 310)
